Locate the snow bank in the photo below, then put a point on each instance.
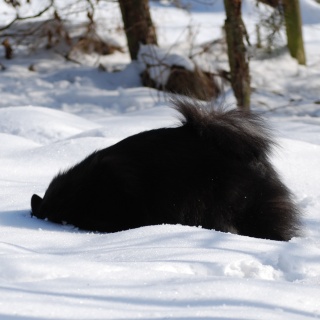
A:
(41, 125)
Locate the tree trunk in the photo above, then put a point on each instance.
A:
(291, 11)
(137, 24)
(238, 59)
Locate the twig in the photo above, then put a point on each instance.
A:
(68, 58)
(26, 33)
(205, 48)
(275, 109)
(18, 18)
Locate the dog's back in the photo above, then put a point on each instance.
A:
(211, 171)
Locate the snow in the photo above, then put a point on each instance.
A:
(158, 62)
(53, 117)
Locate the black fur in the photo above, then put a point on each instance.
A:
(212, 171)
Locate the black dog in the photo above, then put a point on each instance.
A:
(212, 171)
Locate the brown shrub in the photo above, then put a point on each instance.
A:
(196, 84)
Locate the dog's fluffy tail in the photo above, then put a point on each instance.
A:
(270, 211)
(240, 133)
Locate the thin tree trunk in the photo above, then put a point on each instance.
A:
(291, 11)
(238, 59)
(138, 24)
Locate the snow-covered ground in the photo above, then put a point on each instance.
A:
(54, 116)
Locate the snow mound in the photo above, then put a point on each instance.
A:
(40, 124)
(10, 143)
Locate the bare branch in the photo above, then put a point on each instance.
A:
(18, 18)
(14, 3)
